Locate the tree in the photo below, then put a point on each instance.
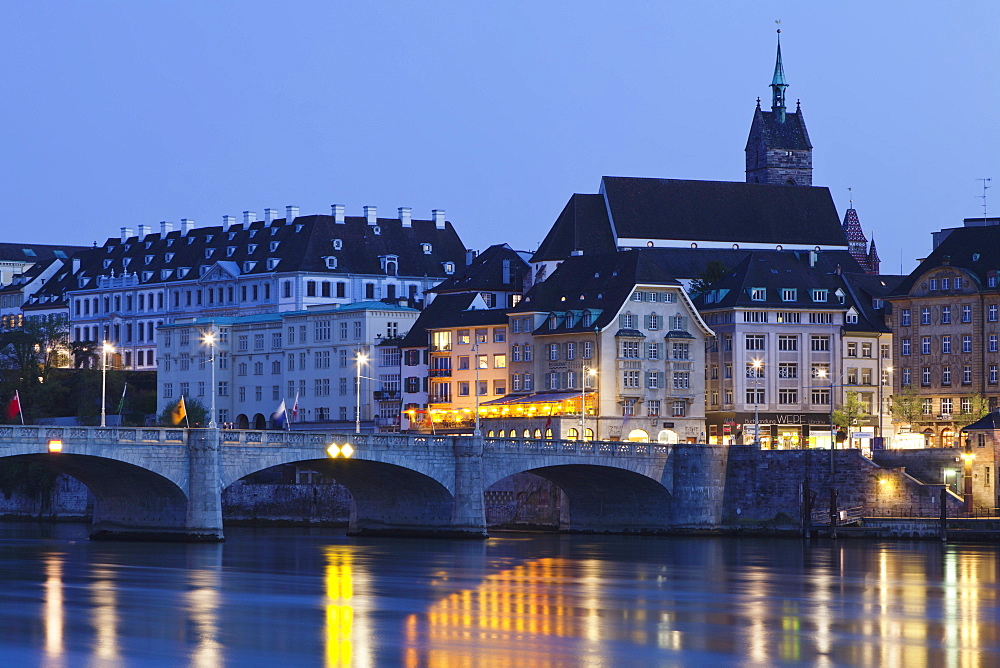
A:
(907, 406)
(979, 406)
(197, 414)
(853, 412)
(714, 271)
(28, 355)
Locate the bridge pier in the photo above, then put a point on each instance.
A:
(468, 516)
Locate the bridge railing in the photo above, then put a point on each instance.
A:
(123, 435)
(550, 446)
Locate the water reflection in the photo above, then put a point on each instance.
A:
(54, 611)
(104, 615)
(347, 643)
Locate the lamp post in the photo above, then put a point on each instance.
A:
(476, 431)
(209, 338)
(360, 359)
(881, 383)
(587, 373)
(757, 365)
(967, 456)
(105, 349)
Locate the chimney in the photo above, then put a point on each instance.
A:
(405, 215)
(438, 218)
(337, 211)
(470, 255)
(144, 230)
(76, 264)
(186, 226)
(165, 228)
(227, 222)
(249, 217)
(126, 233)
(370, 215)
(813, 255)
(270, 215)
(291, 213)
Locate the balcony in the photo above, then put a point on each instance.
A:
(439, 399)
(439, 373)
(386, 395)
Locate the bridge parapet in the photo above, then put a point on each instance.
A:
(273, 438)
(43, 434)
(596, 448)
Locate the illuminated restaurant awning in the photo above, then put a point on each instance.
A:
(538, 398)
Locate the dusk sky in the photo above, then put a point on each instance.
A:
(126, 113)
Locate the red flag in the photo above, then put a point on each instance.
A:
(14, 407)
(548, 423)
(295, 408)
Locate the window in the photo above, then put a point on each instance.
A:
(527, 353)
(754, 341)
(927, 406)
(630, 379)
(755, 395)
(904, 317)
(653, 351)
(788, 396)
(884, 351)
(464, 337)
(528, 382)
(499, 335)
(588, 350)
(653, 407)
(906, 376)
(925, 345)
(570, 351)
(500, 361)
(993, 374)
(627, 321)
(866, 350)
(728, 370)
(934, 284)
(966, 403)
(966, 344)
(945, 315)
(483, 361)
(966, 375)
(819, 295)
(788, 317)
(945, 283)
(678, 409)
(966, 310)
(852, 350)
(788, 370)
(821, 370)
(827, 318)
(223, 388)
(482, 335)
(925, 376)
(904, 347)
(758, 294)
(788, 294)
(653, 322)
(946, 406)
(820, 396)
(991, 313)
(818, 343)
(993, 343)
(628, 407)
(925, 315)
(788, 342)
(654, 379)
(754, 370)
(946, 375)
(682, 380)
(630, 350)
(852, 376)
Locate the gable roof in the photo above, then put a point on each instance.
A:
(583, 224)
(790, 135)
(975, 249)
(722, 211)
(499, 268)
(434, 314)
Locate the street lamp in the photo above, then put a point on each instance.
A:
(587, 372)
(476, 432)
(209, 338)
(756, 365)
(360, 359)
(106, 348)
(881, 383)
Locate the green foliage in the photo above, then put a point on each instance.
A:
(26, 478)
(906, 406)
(979, 406)
(852, 413)
(714, 271)
(197, 414)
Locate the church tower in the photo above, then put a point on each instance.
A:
(778, 150)
(857, 243)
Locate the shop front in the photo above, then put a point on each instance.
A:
(776, 431)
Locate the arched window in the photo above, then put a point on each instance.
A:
(538, 433)
(790, 182)
(527, 433)
(500, 434)
(638, 436)
(548, 434)
(489, 434)
(588, 434)
(572, 435)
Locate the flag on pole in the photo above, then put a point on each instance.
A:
(179, 412)
(121, 403)
(14, 407)
(295, 408)
(279, 417)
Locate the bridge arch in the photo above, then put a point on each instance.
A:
(129, 500)
(603, 498)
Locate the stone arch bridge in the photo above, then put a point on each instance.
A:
(157, 483)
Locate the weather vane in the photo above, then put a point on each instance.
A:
(777, 22)
(850, 195)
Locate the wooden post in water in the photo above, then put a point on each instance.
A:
(806, 509)
(834, 515)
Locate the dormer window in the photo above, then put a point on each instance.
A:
(337, 244)
(165, 274)
(190, 240)
(876, 303)
(852, 317)
(426, 248)
(298, 228)
(758, 294)
(107, 263)
(232, 235)
(390, 264)
(125, 261)
(168, 257)
(789, 294)
(183, 271)
(208, 238)
(149, 244)
(149, 259)
(274, 245)
(208, 252)
(272, 262)
(248, 267)
(230, 250)
(274, 230)
(376, 230)
(841, 295)
(820, 295)
(449, 267)
(146, 275)
(331, 262)
(203, 269)
(253, 233)
(127, 247)
(251, 248)
(170, 242)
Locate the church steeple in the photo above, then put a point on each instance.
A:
(778, 86)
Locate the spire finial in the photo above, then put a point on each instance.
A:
(778, 83)
(850, 195)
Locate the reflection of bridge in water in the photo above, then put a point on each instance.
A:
(168, 483)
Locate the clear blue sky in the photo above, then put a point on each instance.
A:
(128, 113)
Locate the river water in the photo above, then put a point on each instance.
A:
(281, 597)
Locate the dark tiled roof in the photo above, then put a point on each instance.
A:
(599, 284)
(988, 421)
(975, 249)
(790, 135)
(487, 272)
(35, 252)
(722, 211)
(583, 225)
(436, 313)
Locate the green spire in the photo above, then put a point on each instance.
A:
(778, 86)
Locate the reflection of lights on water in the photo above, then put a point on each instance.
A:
(104, 614)
(345, 626)
(53, 605)
(203, 610)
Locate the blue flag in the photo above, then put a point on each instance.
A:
(280, 417)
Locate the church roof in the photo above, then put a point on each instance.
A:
(583, 225)
(790, 135)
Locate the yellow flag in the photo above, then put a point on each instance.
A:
(179, 412)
